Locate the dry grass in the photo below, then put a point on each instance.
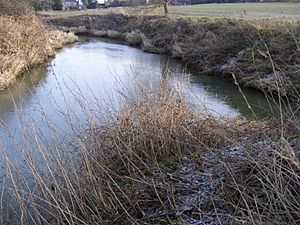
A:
(263, 54)
(262, 184)
(14, 7)
(114, 173)
(24, 42)
(156, 161)
(271, 63)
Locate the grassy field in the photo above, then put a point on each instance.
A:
(260, 10)
(240, 10)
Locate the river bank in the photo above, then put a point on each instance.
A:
(153, 160)
(25, 41)
(261, 54)
(156, 161)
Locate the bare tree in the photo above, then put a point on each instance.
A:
(166, 3)
(150, 4)
(163, 3)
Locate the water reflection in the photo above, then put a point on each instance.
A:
(102, 70)
(22, 90)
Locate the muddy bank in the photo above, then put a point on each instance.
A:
(25, 41)
(261, 54)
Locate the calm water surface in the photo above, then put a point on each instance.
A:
(95, 69)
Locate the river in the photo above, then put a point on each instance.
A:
(101, 73)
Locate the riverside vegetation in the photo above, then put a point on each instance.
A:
(157, 160)
(25, 41)
(263, 54)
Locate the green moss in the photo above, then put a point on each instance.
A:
(169, 165)
(124, 184)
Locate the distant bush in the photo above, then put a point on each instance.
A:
(92, 4)
(39, 5)
(58, 5)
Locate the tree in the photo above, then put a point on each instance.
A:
(92, 4)
(86, 3)
(153, 4)
(165, 3)
(160, 3)
(58, 4)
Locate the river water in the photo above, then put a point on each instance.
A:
(97, 69)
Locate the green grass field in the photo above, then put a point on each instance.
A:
(256, 10)
(237, 10)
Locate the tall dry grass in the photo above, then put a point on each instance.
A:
(14, 7)
(24, 42)
(262, 184)
(115, 173)
(250, 49)
(157, 161)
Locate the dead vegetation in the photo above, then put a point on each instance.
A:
(157, 161)
(263, 54)
(14, 7)
(262, 185)
(25, 41)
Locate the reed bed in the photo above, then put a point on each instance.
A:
(155, 161)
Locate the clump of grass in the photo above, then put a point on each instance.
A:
(118, 172)
(158, 161)
(59, 39)
(24, 42)
(260, 185)
(14, 7)
(128, 156)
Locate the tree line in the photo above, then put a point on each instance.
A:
(21, 6)
(59, 4)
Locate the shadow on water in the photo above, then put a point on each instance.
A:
(22, 89)
(213, 87)
(260, 103)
